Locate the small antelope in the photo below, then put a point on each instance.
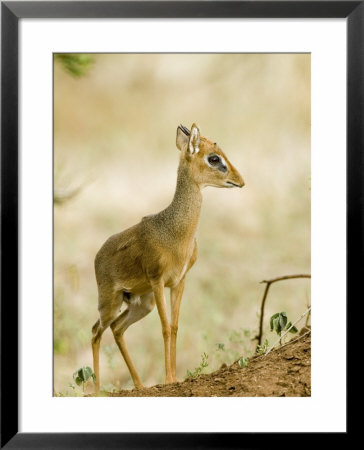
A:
(135, 266)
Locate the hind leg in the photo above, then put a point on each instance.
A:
(108, 312)
(132, 314)
(97, 331)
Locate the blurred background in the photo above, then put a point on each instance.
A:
(115, 160)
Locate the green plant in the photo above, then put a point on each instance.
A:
(280, 316)
(198, 370)
(279, 323)
(243, 362)
(82, 375)
(261, 349)
(239, 342)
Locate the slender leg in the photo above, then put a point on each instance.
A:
(131, 315)
(158, 289)
(124, 351)
(108, 310)
(118, 328)
(97, 331)
(176, 296)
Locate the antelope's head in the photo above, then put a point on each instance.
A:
(208, 164)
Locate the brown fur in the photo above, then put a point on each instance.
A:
(156, 253)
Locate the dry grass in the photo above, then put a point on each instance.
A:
(114, 135)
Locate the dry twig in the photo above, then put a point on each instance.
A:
(268, 284)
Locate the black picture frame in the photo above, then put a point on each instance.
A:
(11, 12)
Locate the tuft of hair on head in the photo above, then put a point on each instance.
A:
(185, 130)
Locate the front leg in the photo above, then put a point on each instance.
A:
(158, 290)
(176, 297)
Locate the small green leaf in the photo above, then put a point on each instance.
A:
(276, 325)
(272, 320)
(220, 346)
(282, 320)
(293, 329)
(243, 362)
(86, 373)
(83, 374)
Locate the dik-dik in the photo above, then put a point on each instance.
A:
(135, 266)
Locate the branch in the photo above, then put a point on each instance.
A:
(308, 316)
(296, 339)
(286, 277)
(268, 283)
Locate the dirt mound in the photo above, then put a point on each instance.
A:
(284, 372)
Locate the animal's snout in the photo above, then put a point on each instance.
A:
(238, 180)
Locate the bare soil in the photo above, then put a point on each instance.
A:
(284, 372)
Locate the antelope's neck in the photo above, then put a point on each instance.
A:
(184, 211)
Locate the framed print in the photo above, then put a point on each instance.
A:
(264, 96)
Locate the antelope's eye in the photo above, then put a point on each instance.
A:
(213, 159)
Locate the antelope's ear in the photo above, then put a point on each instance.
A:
(194, 141)
(182, 137)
